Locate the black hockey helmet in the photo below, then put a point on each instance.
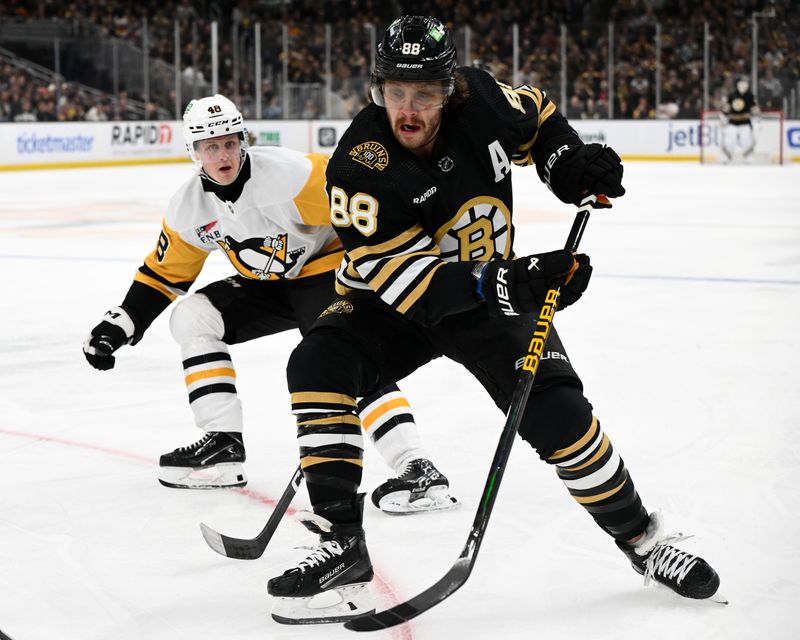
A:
(414, 49)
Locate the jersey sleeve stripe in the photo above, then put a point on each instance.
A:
(545, 113)
(402, 284)
(395, 264)
(547, 110)
(312, 201)
(390, 245)
(345, 285)
(347, 277)
(417, 291)
(177, 288)
(367, 265)
(522, 160)
(321, 264)
(532, 93)
(153, 283)
(178, 268)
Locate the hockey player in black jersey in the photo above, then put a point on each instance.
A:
(421, 197)
(738, 112)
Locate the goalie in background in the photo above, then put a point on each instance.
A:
(738, 112)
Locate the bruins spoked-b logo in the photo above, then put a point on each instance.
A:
(339, 306)
(481, 230)
(371, 154)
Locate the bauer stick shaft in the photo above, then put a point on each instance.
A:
(461, 569)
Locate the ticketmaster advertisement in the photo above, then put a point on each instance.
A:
(37, 145)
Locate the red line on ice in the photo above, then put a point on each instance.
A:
(402, 632)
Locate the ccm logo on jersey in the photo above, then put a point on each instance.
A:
(501, 287)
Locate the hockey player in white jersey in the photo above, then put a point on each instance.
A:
(267, 210)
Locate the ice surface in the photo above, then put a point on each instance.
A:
(686, 342)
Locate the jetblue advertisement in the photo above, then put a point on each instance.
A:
(33, 145)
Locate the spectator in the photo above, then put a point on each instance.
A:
(490, 24)
(26, 112)
(642, 110)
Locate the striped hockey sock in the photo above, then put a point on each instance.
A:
(386, 416)
(211, 384)
(596, 477)
(331, 451)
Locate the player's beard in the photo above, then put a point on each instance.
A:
(422, 141)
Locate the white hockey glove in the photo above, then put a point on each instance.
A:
(116, 329)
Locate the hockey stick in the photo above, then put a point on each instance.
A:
(252, 548)
(460, 571)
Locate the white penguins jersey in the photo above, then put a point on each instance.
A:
(278, 227)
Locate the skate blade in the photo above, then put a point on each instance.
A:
(719, 598)
(220, 476)
(328, 607)
(398, 504)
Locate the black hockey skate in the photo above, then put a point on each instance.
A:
(656, 559)
(214, 461)
(339, 567)
(421, 487)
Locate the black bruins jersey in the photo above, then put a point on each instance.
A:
(740, 107)
(413, 229)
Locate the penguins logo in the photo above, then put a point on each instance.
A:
(261, 258)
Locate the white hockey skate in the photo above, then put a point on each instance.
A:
(330, 585)
(213, 462)
(421, 488)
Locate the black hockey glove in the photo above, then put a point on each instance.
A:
(512, 287)
(584, 169)
(115, 330)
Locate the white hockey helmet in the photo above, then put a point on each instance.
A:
(211, 117)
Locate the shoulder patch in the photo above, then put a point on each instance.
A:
(339, 306)
(371, 154)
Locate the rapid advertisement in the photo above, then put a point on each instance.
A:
(39, 145)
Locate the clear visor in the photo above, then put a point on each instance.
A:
(743, 86)
(411, 96)
(215, 149)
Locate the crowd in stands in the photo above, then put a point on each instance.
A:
(632, 94)
(26, 98)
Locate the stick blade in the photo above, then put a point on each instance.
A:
(405, 611)
(213, 539)
(236, 548)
